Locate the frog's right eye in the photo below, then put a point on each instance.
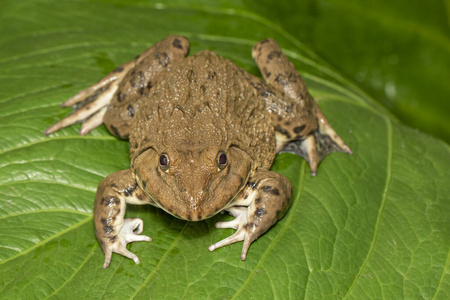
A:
(164, 162)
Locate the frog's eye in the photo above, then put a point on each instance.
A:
(221, 160)
(164, 162)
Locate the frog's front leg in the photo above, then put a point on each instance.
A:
(112, 230)
(263, 201)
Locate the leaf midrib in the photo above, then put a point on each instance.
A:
(43, 242)
(381, 209)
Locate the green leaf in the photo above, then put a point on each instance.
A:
(371, 225)
(397, 51)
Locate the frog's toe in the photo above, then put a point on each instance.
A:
(243, 233)
(89, 109)
(93, 122)
(130, 232)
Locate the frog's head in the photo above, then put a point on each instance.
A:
(194, 171)
(195, 184)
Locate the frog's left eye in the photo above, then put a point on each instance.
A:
(221, 160)
(164, 162)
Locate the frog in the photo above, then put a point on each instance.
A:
(203, 134)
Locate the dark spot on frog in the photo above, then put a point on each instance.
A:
(249, 226)
(144, 184)
(189, 217)
(281, 79)
(114, 130)
(162, 58)
(203, 88)
(270, 190)
(311, 132)
(283, 131)
(287, 123)
(299, 129)
(107, 201)
(278, 214)
(274, 54)
(149, 85)
(118, 70)
(258, 200)
(260, 212)
(264, 41)
(191, 76)
(107, 228)
(131, 110)
(129, 190)
(177, 44)
(253, 184)
(288, 108)
(211, 75)
(121, 96)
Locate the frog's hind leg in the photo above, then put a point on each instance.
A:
(300, 126)
(113, 99)
(315, 146)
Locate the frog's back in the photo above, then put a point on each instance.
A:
(207, 89)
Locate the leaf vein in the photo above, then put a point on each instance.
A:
(279, 235)
(381, 209)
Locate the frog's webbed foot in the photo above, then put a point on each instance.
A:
(300, 126)
(317, 144)
(90, 105)
(258, 206)
(130, 232)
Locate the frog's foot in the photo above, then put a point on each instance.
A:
(91, 104)
(317, 144)
(245, 230)
(130, 232)
(264, 200)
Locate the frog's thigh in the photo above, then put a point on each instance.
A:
(260, 205)
(110, 100)
(112, 230)
(139, 80)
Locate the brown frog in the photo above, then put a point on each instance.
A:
(203, 134)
